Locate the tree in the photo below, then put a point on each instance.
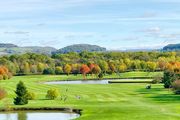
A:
(33, 69)
(40, 67)
(75, 68)
(104, 66)
(151, 66)
(21, 94)
(84, 70)
(58, 70)
(162, 63)
(25, 68)
(4, 73)
(112, 67)
(67, 69)
(122, 68)
(169, 78)
(96, 70)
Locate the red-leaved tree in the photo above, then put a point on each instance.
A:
(84, 70)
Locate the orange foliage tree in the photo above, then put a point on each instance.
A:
(84, 70)
(173, 67)
(4, 73)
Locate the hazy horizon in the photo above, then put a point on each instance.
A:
(113, 24)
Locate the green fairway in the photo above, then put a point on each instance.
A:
(123, 101)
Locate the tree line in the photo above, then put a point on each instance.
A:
(89, 62)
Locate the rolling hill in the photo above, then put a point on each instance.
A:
(81, 47)
(9, 49)
(172, 47)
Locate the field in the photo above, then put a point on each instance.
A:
(124, 101)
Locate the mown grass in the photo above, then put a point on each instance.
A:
(129, 101)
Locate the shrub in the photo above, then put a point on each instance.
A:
(176, 86)
(31, 95)
(3, 93)
(168, 79)
(5, 76)
(48, 71)
(1, 77)
(157, 79)
(100, 76)
(21, 94)
(9, 75)
(52, 94)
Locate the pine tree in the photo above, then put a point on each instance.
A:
(21, 92)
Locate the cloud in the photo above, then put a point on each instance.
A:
(17, 32)
(152, 30)
(169, 36)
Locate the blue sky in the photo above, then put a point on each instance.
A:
(114, 24)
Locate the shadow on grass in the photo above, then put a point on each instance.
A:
(167, 98)
(149, 91)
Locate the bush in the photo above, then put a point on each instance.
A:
(168, 79)
(3, 93)
(1, 77)
(100, 76)
(176, 86)
(157, 79)
(21, 94)
(52, 94)
(48, 71)
(31, 95)
(9, 75)
(5, 77)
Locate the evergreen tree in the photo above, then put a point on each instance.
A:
(21, 92)
(168, 79)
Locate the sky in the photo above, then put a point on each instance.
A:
(114, 24)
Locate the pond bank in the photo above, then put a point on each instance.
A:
(70, 110)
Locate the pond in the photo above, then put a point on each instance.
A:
(79, 82)
(96, 81)
(27, 115)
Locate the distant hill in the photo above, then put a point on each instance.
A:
(7, 45)
(9, 49)
(172, 47)
(81, 47)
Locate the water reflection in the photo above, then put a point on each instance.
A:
(22, 116)
(38, 116)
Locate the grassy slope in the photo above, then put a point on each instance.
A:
(107, 102)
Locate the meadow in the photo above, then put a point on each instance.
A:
(124, 101)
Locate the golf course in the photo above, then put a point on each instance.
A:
(118, 101)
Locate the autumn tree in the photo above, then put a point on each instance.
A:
(4, 73)
(104, 66)
(75, 68)
(40, 67)
(151, 66)
(58, 70)
(96, 70)
(112, 67)
(25, 68)
(67, 69)
(84, 70)
(122, 68)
